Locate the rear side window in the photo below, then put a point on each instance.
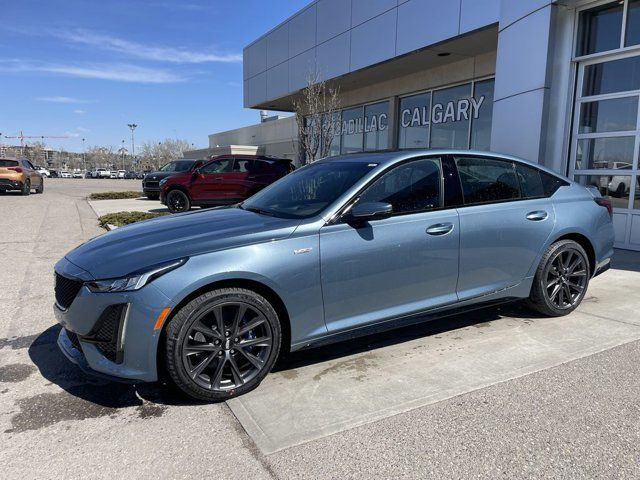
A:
(487, 180)
(551, 183)
(409, 188)
(530, 181)
(8, 163)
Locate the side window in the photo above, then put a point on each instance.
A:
(218, 166)
(530, 181)
(412, 187)
(486, 180)
(248, 166)
(27, 164)
(551, 183)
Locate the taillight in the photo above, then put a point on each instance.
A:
(15, 169)
(606, 203)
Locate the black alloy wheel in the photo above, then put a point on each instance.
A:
(561, 280)
(40, 189)
(26, 187)
(178, 201)
(222, 344)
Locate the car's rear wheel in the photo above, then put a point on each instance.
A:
(222, 344)
(26, 187)
(40, 189)
(178, 201)
(561, 279)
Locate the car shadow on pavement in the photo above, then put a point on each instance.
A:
(477, 318)
(57, 369)
(626, 260)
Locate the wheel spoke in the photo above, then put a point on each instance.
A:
(255, 361)
(197, 370)
(553, 282)
(555, 292)
(217, 311)
(205, 347)
(255, 323)
(576, 286)
(242, 309)
(581, 273)
(198, 326)
(561, 296)
(574, 265)
(217, 373)
(255, 342)
(568, 295)
(235, 371)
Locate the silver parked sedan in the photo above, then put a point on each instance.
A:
(334, 249)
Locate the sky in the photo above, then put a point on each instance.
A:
(87, 68)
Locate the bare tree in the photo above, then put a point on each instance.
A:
(159, 153)
(317, 118)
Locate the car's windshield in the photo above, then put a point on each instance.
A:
(179, 166)
(308, 191)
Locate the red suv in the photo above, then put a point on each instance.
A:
(224, 180)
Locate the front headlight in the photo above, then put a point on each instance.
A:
(135, 280)
(163, 181)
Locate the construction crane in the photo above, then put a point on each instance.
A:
(22, 136)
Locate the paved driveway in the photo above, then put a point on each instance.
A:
(495, 394)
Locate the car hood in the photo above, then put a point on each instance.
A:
(157, 176)
(143, 244)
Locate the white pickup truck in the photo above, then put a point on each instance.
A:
(101, 173)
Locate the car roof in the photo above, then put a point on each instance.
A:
(394, 156)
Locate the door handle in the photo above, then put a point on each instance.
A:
(537, 216)
(440, 229)
(218, 179)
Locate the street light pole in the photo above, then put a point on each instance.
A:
(84, 159)
(132, 126)
(122, 150)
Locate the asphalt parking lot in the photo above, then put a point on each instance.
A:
(494, 394)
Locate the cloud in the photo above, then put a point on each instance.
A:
(61, 99)
(79, 112)
(147, 52)
(116, 72)
(82, 129)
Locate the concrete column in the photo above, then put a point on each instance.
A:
(522, 78)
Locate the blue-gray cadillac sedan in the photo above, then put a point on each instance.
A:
(339, 248)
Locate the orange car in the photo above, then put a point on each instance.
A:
(19, 174)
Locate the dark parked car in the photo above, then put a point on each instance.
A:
(131, 175)
(222, 181)
(54, 174)
(151, 181)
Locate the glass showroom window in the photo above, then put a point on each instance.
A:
(450, 117)
(414, 121)
(352, 130)
(482, 118)
(376, 126)
(606, 133)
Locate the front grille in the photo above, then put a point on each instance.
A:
(66, 290)
(104, 334)
(75, 341)
(152, 185)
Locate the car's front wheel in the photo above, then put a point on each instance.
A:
(178, 201)
(222, 344)
(561, 279)
(40, 189)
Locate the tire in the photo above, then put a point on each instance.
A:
(178, 201)
(40, 189)
(620, 191)
(26, 188)
(221, 351)
(561, 280)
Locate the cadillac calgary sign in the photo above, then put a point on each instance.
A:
(453, 111)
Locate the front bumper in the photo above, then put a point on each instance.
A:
(133, 354)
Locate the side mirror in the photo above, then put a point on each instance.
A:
(369, 211)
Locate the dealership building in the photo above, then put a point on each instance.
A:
(555, 82)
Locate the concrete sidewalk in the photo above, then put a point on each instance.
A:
(142, 204)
